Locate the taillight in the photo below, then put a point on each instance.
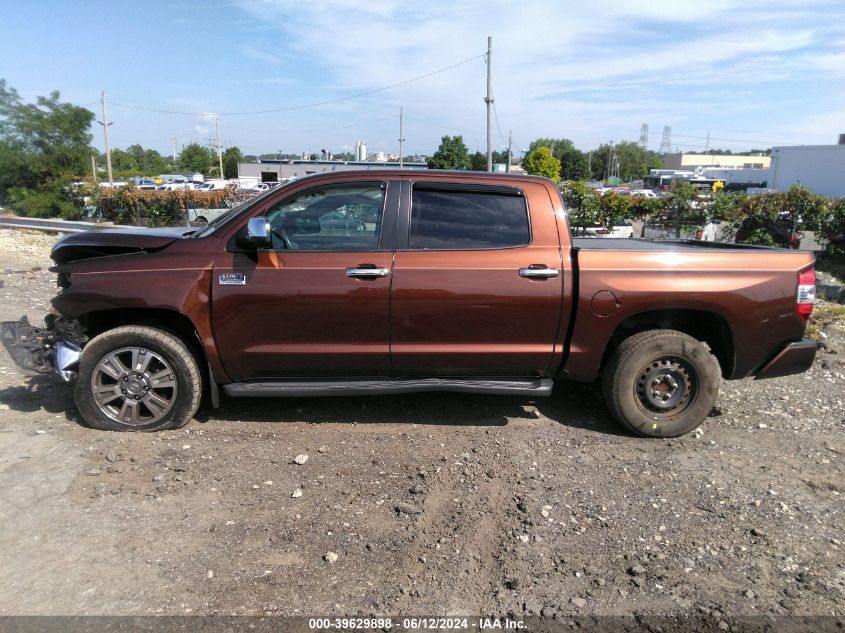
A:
(806, 294)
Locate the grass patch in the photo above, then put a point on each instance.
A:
(823, 315)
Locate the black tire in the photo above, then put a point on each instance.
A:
(661, 383)
(202, 219)
(180, 387)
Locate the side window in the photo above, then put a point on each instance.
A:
(338, 218)
(444, 219)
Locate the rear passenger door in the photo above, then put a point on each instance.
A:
(476, 281)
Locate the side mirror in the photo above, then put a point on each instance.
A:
(257, 234)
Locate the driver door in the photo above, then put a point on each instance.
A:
(316, 303)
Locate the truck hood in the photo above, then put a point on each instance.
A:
(90, 244)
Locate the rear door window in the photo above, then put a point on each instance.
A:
(446, 218)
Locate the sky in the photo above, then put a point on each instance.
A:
(750, 74)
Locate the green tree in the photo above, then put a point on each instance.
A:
(149, 161)
(452, 154)
(195, 157)
(231, 157)
(573, 162)
(124, 163)
(43, 146)
(541, 162)
(479, 160)
(557, 145)
(582, 203)
(634, 161)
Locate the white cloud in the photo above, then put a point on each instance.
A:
(590, 71)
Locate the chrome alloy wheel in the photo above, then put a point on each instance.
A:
(665, 386)
(134, 386)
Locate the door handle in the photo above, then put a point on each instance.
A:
(536, 272)
(366, 270)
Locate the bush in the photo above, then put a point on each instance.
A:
(685, 205)
(50, 201)
(126, 205)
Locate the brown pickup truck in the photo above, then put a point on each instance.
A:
(390, 281)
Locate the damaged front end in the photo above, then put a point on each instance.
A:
(54, 348)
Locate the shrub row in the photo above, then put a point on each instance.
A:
(685, 205)
(130, 205)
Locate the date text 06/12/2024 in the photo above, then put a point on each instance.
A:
(418, 623)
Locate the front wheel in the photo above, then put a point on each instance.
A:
(661, 383)
(137, 378)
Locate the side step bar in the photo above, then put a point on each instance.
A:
(302, 388)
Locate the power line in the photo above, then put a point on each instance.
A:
(447, 127)
(736, 140)
(325, 129)
(307, 105)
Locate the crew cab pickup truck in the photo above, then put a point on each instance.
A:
(392, 281)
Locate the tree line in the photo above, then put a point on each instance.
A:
(555, 158)
(46, 145)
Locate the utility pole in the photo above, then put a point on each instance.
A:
(94, 168)
(489, 101)
(219, 148)
(174, 150)
(401, 138)
(105, 123)
(508, 166)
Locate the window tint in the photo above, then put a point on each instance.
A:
(329, 219)
(466, 220)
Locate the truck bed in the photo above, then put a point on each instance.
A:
(698, 246)
(749, 290)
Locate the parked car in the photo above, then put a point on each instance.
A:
(459, 281)
(215, 185)
(621, 229)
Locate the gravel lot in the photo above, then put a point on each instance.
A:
(426, 504)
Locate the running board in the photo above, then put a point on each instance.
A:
(302, 388)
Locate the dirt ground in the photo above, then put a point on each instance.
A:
(426, 504)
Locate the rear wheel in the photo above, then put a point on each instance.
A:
(137, 378)
(661, 383)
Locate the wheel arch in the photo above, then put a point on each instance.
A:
(709, 327)
(170, 321)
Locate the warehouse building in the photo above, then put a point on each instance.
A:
(819, 168)
(269, 170)
(690, 162)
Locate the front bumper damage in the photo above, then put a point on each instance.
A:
(55, 348)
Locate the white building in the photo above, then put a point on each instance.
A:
(819, 168)
(361, 151)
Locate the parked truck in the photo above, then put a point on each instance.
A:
(384, 282)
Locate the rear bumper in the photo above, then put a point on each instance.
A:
(795, 358)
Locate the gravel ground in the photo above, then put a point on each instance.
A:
(425, 504)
